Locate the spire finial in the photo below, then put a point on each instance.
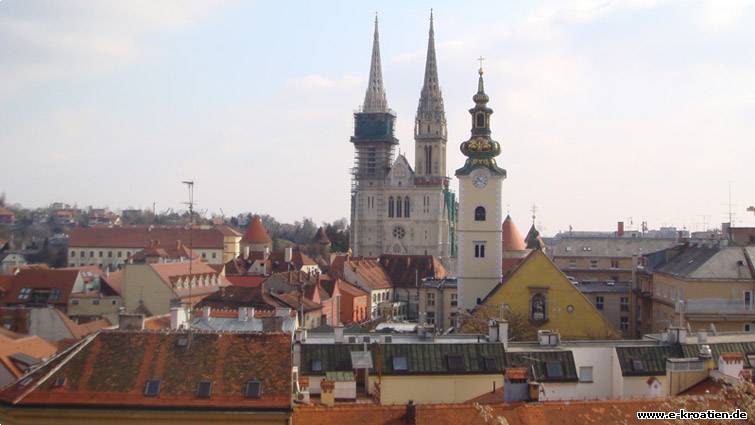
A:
(480, 59)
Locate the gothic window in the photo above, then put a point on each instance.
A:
(399, 232)
(428, 159)
(398, 206)
(479, 214)
(537, 308)
(480, 120)
(390, 206)
(406, 207)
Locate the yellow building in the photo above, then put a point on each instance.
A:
(539, 291)
(709, 285)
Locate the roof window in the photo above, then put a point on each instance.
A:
(152, 388)
(253, 389)
(204, 389)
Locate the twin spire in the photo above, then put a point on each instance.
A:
(431, 99)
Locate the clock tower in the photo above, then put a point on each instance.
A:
(480, 216)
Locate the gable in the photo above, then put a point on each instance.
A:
(566, 309)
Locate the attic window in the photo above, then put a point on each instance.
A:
(400, 363)
(638, 365)
(55, 294)
(554, 370)
(490, 363)
(388, 339)
(253, 389)
(204, 389)
(316, 365)
(352, 340)
(366, 339)
(182, 341)
(455, 362)
(152, 388)
(25, 294)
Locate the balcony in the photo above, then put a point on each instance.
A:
(719, 306)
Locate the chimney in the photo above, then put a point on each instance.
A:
(338, 330)
(327, 392)
(243, 314)
(492, 331)
(411, 413)
(620, 229)
(177, 318)
(503, 333)
(130, 322)
(246, 252)
(288, 254)
(731, 364)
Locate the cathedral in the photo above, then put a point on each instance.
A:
(397, 208)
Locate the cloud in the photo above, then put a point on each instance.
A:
(77, 39)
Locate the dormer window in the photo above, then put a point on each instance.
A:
(204, 389)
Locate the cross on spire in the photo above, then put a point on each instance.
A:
(481, 59)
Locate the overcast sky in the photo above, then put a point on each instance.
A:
(606, 110)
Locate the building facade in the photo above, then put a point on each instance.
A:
(395, 208)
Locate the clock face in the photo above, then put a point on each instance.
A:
(480, 181)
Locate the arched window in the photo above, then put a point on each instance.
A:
(479, 214)
(538, 308)
(480, 120)
(398, 206)
(390, 206)
(428, 159)
(406, 207)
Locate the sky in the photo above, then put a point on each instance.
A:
(607, 111)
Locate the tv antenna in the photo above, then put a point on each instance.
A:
(190, 185)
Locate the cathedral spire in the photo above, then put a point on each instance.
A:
(430, 110)
(374, 99)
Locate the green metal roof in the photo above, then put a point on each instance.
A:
(646, 360)
(537, 363)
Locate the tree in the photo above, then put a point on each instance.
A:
(520, 328)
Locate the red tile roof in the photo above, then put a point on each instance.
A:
(350, 289)
(246, 281)
(256, 233)
(112, 368)
(511, 238)
(114, 280)
(369, 271)
(42, 279)
(32, 346)
(172, 274)
(141, 236)
(406, 270)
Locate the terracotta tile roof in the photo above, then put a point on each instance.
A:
(114, 280)
(704, 387)
(141, 236)
(350, 289)
(369, 271)
(41, 279)
(155, 323)
(33, 346)
(246, 281)
(511, 239)
(10, 334)
(405, 270)
(112, 369)
(228, 230)
(292, 300)
(6, 211)
(256, 233)
(235, 297)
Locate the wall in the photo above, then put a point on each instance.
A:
(140, 282)
(47, 324)
(425, 389)
(117, 256)
(85, 306)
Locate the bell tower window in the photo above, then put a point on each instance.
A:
(480, 120)
(398, 206)
(406, 207)
(479, 214)
(390, 206)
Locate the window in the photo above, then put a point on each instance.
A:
(390, 206)
(204, 255)
(91, 254)
(554, 370)
(114, 302)
(430, 299)
(638, 365)
(214, 255)
(25, 294)
(152, 388)
(74, 302)
(585, 374)
(398, 206)
(316, 365)
(95, 302)
(479, 249)
(455, 362)
(400, 363)
(110, 254)
(624, 304)
(352, 340)
(399, 232)
(480, 120)
(454, 300)
(406, 207)
(100, 254)
(538, 308)
(479, 214)
(593, 264)
(748, 299)
(599, 303)
(54, 294)
(428, 159)
(624, 324)
(118, 254)
(253, 389)
(614, 263)
(573, 263)
(748, 327)
(204, 389)
(73, 253)
(430, 317)
(366, 339)
(490, 363)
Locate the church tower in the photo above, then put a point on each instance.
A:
(480, 213)
(374, 143)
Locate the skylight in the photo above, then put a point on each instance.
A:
(455, 362)
(253, 389)
(638, 365)
(316, 365)
(152, 388)
(204, 389)
(490, 363)
(400, 363)
(55, 294)
(24, 294)
(554, 370)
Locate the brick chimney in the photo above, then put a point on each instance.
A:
(620, 229)
(328, 392)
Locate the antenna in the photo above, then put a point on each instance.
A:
(731, 222)
(190, 185)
